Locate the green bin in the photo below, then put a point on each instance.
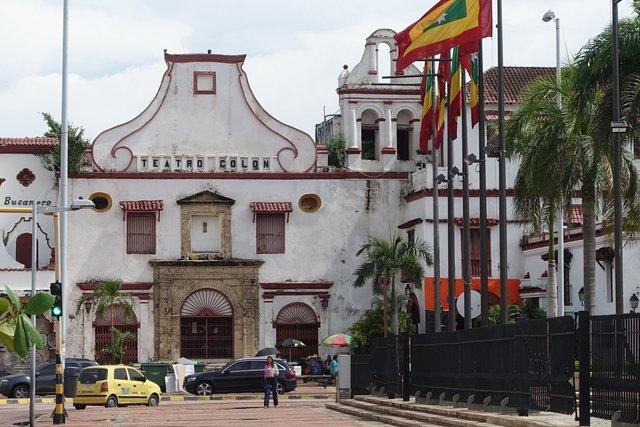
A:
(198, 367)
(156, 371)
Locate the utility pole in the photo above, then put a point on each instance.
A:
(451, 243)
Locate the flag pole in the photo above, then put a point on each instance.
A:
(502, 176)
(451, 243)
(436, 215)
(482, 139)
(466, 228)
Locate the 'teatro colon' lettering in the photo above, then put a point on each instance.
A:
(8, 201)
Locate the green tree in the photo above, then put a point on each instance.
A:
(116, 347)
(369, 327)
(337, 155)
(16, 331)
(77, 144)
(383, 261)
(563, 149)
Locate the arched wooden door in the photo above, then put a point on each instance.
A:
(23, 250)
(206, 326)
(413, 307)
(114, 318)
(298, 321)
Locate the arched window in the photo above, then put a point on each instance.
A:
(404, 135)
(206, 325)
(298, 321)
(112, 319)
(23, 250)
(370, 135)
(383, 52)
(413, 308)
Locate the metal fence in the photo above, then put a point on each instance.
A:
(615, 366)
(378, 368)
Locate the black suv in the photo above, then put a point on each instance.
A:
(18, 385)
(241, 375)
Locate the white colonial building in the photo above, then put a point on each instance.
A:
(232, 232)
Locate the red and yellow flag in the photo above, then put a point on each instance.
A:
(449, 23)
(469, 60)
(455, 94)
(426, 130)
(440, 113)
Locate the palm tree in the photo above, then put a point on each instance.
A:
(384, 260)
(564, 149)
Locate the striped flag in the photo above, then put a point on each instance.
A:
(440, 113)
(426, 131)
(469, 60)
(455, 94)
(449, 23)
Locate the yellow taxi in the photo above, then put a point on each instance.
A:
(115, 385)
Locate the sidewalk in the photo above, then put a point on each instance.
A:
(302, 392)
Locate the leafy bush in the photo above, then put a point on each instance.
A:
(370, 327)
(337, 155)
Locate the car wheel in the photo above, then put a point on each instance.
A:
(204, 388)
(112, 402)
(280, 388)
(80, 407)
(153, 400)
(21, 391)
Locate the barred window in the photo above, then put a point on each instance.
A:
(141, 233)
(270, 233)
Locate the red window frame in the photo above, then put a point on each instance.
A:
(475, 251)
(197, 91)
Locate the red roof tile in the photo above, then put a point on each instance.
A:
(475, 222)
(516, 80)
(142, 205)
(577, 218)
(26, 145)
(271, 207)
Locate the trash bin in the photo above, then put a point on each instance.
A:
(156, 371)
(198, 367)
(71, 375)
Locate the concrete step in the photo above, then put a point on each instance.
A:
(474, 417)
(415, 414)
(375, 417)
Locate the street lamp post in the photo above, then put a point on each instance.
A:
(548, 17)
(617, 128)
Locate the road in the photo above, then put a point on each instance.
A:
(209, 413)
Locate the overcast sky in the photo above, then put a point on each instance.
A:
(295, 50)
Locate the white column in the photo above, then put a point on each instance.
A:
(390, 137)
(145, 334)
(355, 131)
(269, 332)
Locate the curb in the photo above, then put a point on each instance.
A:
(186, 398)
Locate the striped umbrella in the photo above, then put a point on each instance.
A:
(337, 340)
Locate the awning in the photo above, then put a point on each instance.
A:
(142, 205)
(271, 207)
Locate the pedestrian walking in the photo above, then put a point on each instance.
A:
(270, 382)
(333, 370)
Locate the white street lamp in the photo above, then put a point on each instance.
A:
(548, 17)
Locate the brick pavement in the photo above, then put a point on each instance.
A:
(305, 413)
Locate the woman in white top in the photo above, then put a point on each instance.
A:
(270, 382)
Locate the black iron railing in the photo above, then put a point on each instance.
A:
(615, 366)
(378, 368)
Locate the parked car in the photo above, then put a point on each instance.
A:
(115, 385)
(241, 375)
(18, 386)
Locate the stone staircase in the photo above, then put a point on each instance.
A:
(395, 412)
